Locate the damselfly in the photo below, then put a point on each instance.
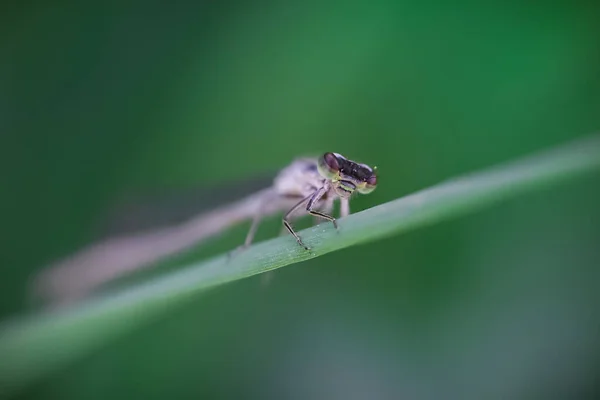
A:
(311, 185)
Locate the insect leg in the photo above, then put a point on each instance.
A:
(258, 216)
(326, 209)
(253, 228)
(249, 237)
(286, 220)
(314, 199)
(344, 207)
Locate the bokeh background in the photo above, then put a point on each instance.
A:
(102, 99)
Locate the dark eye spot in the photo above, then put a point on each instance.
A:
(332, 161)
(372, 181)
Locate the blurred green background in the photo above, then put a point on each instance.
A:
(103, 99)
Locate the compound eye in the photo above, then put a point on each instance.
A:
(329, 166)
(369, 185)
(372, 181)
(331, 161)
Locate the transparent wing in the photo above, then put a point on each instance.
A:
(150, 209)
(141, 230)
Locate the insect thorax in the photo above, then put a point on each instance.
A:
(300, 178)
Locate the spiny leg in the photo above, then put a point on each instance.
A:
(327, 208)
(313, 200)
(286, 220)
(291, 216)
(284, 230)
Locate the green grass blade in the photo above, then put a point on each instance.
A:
(33, 346)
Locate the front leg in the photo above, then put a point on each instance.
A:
(314, 200)
(327, 208)
(288, 225)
